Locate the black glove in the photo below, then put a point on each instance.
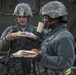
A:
(38, 56)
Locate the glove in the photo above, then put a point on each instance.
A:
(38, 56)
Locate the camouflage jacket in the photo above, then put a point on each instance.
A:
(17, 66)
(58, 50)
(19, 43)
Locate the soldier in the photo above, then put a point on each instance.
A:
(8, 41)
(57, 50)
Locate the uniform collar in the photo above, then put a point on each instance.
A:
(61, 26)
(23, 28)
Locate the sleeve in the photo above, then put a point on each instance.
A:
(64, 55)
(40, 37)
(4, 45)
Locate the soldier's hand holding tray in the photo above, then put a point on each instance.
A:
(38, 54)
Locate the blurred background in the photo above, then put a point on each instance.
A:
(7, 8)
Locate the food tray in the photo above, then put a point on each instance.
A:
(30, 55)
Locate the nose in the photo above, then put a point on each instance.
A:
(45, 20)
(21, 18)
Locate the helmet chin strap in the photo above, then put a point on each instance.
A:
(54, 22)
(50, 23)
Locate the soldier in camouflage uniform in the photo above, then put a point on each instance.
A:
(8, 41)
(57, 50)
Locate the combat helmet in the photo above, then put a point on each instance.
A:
(54, 9)
(22, 9)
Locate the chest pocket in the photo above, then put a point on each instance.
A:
(22, 43)
(45, 44)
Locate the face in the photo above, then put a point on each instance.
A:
(45, 20)
(49, 22)
(22, 20)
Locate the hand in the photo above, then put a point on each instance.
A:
(38, 56)
(11, 36)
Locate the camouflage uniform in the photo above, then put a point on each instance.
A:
(58, 48)
(18, 66)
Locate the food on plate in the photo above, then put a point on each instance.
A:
(19, 32)
(24, 53)
(27, 35)
(35, 50)
(27, 53)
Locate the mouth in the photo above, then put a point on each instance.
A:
(23, 23)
